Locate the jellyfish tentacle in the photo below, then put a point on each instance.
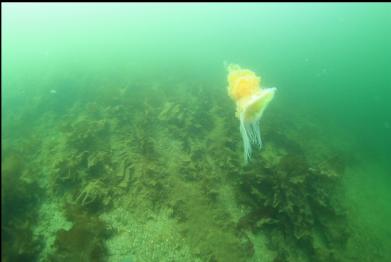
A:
(257, 130)
(245, 138)
(251, 135)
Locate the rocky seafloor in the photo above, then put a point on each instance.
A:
(155, 172)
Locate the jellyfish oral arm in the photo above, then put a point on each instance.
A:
(250, 118)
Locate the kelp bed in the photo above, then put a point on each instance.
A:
(154, 172)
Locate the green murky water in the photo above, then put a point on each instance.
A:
(120, 142)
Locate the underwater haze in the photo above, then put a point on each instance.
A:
(124, 127)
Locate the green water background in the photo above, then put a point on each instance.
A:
(330, 63)
(330, 59)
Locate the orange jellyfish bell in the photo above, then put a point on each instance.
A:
(244, 87)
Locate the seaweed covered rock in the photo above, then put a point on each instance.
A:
(19, 200)
(85, 241)
(94, 196)
(295, 204)
(86, 134)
